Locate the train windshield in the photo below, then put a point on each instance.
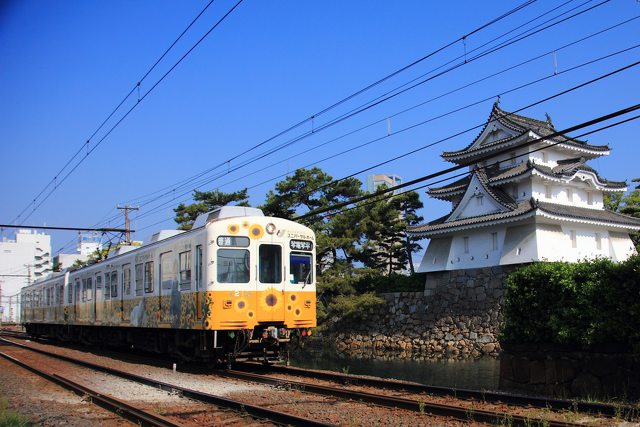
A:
(301, 271)
(233, 266)
(270, 264)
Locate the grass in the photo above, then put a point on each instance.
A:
(12, 419)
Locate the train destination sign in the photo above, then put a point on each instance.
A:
(301, 245)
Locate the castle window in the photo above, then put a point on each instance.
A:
(512, 155)
(514, 191)
(570, 194)
(494, 241)
(545, 157)
(590, 198)
(547, 191)
(598, 241)
(572, 236)
(466, 244)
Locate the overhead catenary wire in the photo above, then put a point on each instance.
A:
(388, 195)
(89, 151)
(364, 107)
(462, 165)
(355, 94)
(493, 96)
(261, 156)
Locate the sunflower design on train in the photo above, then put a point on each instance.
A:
(271, 300)
(256, 231)
(233, 229)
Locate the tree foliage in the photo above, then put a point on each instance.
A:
(311, 189)
(206, 201)
(627, 204)
(583, 304)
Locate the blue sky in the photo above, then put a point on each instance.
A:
(65, 65)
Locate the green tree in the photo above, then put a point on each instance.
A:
(384, 231)
(206, 201)
(95, 257)
(408, 204)
(628, 204)
(311, 189)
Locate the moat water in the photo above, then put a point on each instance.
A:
(477, 374)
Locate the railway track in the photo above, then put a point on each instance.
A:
(145, 418)
(607, 410)
(423, 406)
(255, 373)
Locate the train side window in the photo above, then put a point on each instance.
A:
(198, 267)
(98, 285)
(84, 290)
(69, 293)
(148, 276)
(233, 266)
(185, 270)
(89, 289)
(107, 286)
(167, 270)
(270, 263)
(114, 284)
(77, 295)
(301, 271)
(139, 278)
(126, 279)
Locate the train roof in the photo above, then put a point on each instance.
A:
(226, 212)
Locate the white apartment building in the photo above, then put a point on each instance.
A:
(529, 196)
(22, 261)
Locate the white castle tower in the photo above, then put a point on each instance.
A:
(530, 202)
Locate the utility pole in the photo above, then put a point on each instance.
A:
(126, 209)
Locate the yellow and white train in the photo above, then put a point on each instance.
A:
(234, 287)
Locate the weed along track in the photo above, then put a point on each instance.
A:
(226, 411)
(483, 396)
(280, 395)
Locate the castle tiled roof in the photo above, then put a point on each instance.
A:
(521, 125)
(564, 169)
(524, 210)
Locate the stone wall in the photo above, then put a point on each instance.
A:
(561, 373)
(458, 315)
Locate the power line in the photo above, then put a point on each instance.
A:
(364, 107)
(469, 163)
(393, 194)
(459, 109)
(355, 94)
(42, 227)
(89, 151)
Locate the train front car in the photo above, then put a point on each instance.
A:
(260, 285)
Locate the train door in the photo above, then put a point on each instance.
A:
(270, 283)
(106, 305)
(198, 283)
(90, 298)
(126, 290)
(114, 312)
(76, 300)
(97, 299)
(167, 283)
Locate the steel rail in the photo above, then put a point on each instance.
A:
(119, 407)
(235, 405)
(460, 413)
(480, 395)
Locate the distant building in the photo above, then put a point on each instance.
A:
(88, 243)
(22, 261)
(375, 181)
(531, 203)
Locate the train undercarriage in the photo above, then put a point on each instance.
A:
(268, 344)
